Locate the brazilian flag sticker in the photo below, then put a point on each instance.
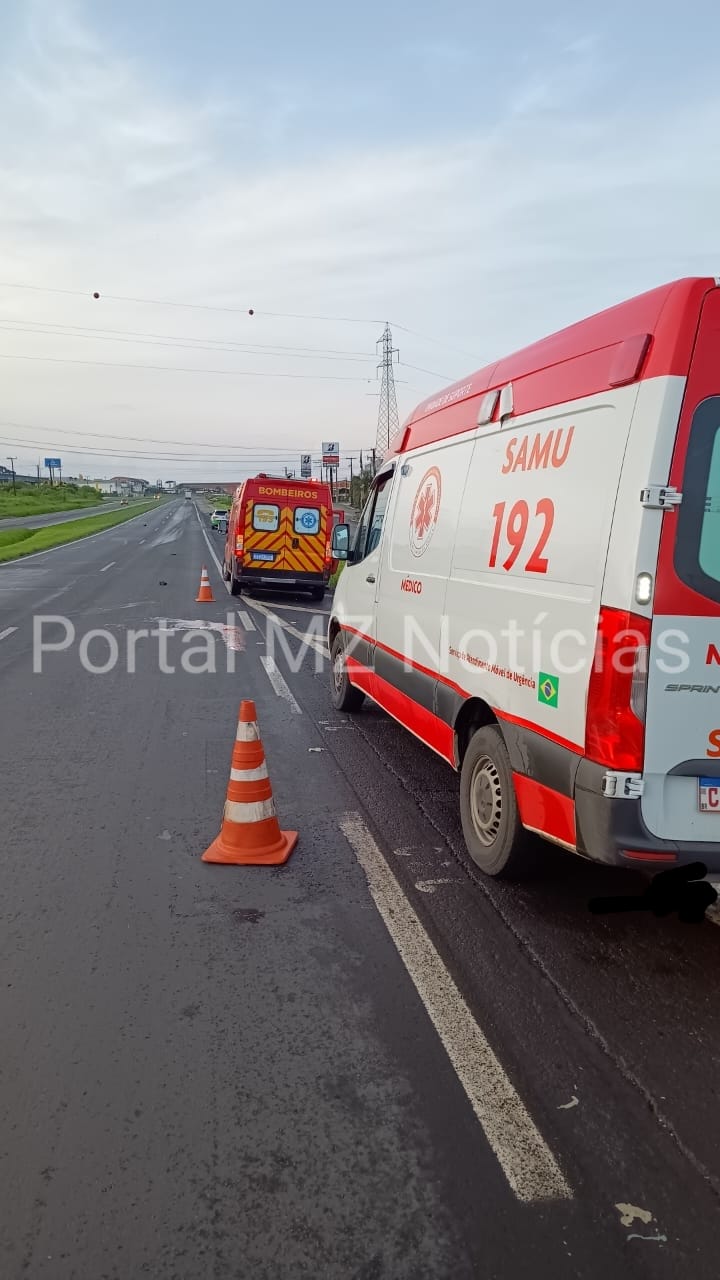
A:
(548, 689)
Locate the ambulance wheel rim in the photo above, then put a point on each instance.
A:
(486, 805)
(339, 669)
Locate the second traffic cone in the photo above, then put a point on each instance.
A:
(205, 594)
(250, 834)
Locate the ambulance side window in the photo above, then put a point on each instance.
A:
(371, 520)
(697, 543)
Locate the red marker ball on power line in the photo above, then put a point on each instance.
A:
(251, 312)
(96, 295)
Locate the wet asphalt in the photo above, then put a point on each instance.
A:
(228, 1072)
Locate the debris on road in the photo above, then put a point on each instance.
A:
(629, 1212)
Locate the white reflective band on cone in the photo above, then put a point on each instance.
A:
(247, 732)
(249, 775)
(255, 811)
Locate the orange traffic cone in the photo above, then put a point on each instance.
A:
(205, 594)
(250, 834)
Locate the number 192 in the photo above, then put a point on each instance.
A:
(515, 528)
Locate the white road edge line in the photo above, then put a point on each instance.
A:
(306, 637)
(108, 566)
(7, 632)
(525, 1158)
(246, 620)
(279, 683)
(211, 549)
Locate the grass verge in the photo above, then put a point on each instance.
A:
(40, 501)
(27, 541)
(336, 576)
(10, 536)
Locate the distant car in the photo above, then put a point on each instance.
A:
(123, 502)
(218, 520)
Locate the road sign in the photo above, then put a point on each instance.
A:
(54, 463)
(305, 465)
(331, 453)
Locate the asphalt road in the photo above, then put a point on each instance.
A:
(56, 517)
(369, 1064)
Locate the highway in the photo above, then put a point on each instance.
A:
(58, 517)
(369, 1064)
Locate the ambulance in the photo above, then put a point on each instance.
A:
(533, 589)
(278, 535)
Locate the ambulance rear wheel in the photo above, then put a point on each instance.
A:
(495, 837)
(344, 695)
(235, 587)
(225, 572)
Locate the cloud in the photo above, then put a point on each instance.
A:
(487, 236)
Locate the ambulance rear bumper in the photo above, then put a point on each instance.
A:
(612, 830)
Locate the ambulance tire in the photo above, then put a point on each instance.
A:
(235, 586)
(495, 837)
(343, 694)
(225, 573)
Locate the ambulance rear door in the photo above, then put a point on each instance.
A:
(681, 782)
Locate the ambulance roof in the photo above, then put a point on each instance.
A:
(648, 336)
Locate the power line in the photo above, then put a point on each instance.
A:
(471, 355)
(244, 311)
(190, 459)
(192, 306)
(248, 454)
(442, 376)
(191, 444)
(169, 368)
(50, 330)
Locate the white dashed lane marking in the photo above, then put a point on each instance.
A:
(525, 1158)
(7, 632)
(108, 566)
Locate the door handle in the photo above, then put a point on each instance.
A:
(370, 577)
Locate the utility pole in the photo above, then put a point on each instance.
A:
(388, 420)
(38, 471)
(12, 468)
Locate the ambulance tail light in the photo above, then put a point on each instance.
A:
(328, 552)
(239, 544)
(615, 719)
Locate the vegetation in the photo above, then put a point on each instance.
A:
(41, 499)
(359, 488)
(9, 536)
(335, 577)
(26, 542)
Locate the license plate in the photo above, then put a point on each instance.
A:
(263, 555)
(709, 795)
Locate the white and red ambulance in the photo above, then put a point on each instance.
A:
(534, 588)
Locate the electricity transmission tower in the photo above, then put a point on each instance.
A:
(388, 421)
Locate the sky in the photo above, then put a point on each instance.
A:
(476, 175)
